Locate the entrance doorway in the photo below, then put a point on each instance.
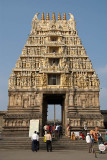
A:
(53, 109)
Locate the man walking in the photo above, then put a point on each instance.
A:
(48, 139)
(88, 140)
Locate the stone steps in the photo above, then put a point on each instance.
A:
(60, 144)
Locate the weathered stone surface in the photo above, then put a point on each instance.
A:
(2, 113)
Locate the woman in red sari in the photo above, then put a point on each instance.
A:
(82, 135)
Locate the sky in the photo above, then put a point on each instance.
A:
(58, 112)
(15, 26)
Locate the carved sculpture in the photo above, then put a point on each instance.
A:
(35, 17)
(71, 16)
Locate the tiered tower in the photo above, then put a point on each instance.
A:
(53, 67)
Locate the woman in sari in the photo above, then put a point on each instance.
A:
(73, 136)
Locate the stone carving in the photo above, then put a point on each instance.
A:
(35, 17)
(11, 100)
(44, 79)
(18, 100)
(65, 80)
(82, 80)
(37, 99)
(71, 99)
(33, 101)
(25, 103)
(71, 16)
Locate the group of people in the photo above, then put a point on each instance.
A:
(93, 136)
(75, 135)
(49, 132)
(35, 141)
(55, 130)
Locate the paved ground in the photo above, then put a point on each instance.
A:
(55, 155)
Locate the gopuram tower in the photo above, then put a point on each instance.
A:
(53, 69)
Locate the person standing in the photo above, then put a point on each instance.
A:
(85, 128)
(73, 136)
(56, 131)
(53, 130)
(81, 135)
(100, 139)
(35, 139)
(45, 129)
(92, 143)
(48, 139)
(88, 141)
(68, 131)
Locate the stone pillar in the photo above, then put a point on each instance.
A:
(71, 99)
(41, 127)
(41, 102)
(66, 108)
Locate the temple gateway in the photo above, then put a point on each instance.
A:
(53, 69)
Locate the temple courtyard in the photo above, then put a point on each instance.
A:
(55, 155)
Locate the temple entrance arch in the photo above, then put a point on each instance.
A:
(53, 99)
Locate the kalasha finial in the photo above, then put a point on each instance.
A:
(47, 18)
(64, 16)
(53, 16)
(42, 17)
(59, 16)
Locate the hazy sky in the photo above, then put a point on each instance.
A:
(15, 25)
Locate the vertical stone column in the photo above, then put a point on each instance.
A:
(40, 125)
(63, 115)
(71, 99)
(41, 102)
(41, 112)
(66, 108)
